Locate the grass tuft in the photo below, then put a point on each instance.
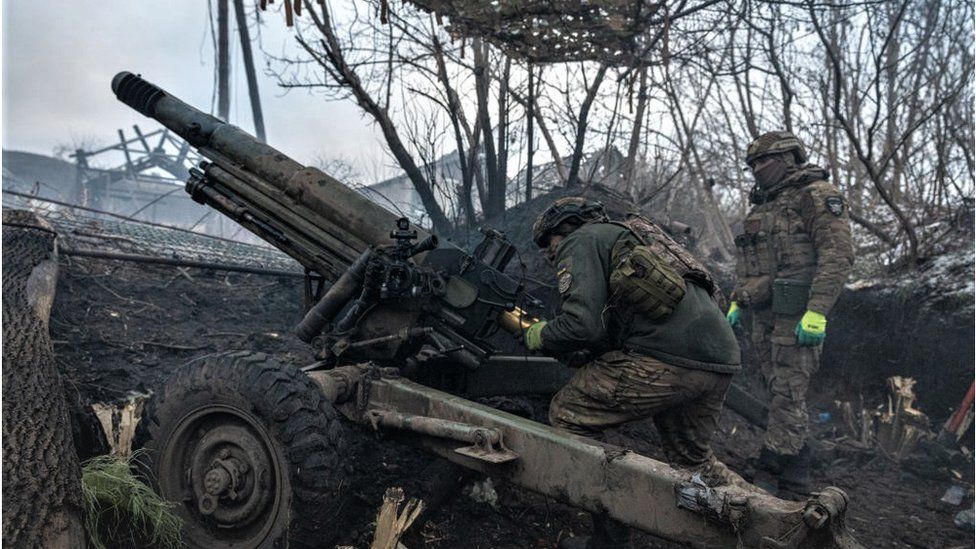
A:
(120, 506)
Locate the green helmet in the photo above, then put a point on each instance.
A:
(776, 143)
(564, 209)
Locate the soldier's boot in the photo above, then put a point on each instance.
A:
(768, 469)
(794, 483)
(607, 534)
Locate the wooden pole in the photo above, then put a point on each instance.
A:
(252, 81)
(223, 60)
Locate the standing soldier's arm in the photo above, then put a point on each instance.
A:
(581, 270)
(825, 218)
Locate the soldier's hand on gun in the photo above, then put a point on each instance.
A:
(734, 316)
(811, 329)
(533, 336)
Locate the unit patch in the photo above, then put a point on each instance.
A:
(835, 205)
(565, 280)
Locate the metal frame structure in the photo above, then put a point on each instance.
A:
(639, 491)
(140, 155)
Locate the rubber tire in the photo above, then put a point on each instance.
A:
(302, 426)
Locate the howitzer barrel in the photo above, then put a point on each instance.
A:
(323, 211)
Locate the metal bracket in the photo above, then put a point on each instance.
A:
(823, 514)
(486, 443)
(486, 450)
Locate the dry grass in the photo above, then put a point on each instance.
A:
(119, 506)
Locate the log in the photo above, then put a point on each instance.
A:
(42, 502)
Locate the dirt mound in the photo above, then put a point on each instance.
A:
(917, 324)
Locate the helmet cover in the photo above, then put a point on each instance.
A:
(565, 209)
(777, 142)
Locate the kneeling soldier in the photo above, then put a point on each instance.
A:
(649, 313)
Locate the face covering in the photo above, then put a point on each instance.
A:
(550, 254)
(769, 171)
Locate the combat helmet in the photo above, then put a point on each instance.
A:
(775, 143)
(564, 209)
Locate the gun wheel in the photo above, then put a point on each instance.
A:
(248, 450)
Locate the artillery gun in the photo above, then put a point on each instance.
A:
(406, 328)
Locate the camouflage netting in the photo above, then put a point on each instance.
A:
(616, 32)
(80, 230)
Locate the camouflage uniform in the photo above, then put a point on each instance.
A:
(675, 369)
(796, 244)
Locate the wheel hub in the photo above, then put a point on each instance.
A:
(228, 473)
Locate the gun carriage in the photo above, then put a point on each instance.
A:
(406, 328)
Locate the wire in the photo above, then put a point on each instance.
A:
(204, 216)
(155, 200)
(115, 215)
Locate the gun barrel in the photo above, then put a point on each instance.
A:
(327, 224)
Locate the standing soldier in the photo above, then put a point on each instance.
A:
(647, 312)
(792, 260)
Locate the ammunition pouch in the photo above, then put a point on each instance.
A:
(645, 283)
(672, 255)
(753, 291)
(790, 296)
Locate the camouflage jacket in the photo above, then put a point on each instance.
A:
(695, 335)
(799, 231)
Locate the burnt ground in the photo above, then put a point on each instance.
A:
(118, 327)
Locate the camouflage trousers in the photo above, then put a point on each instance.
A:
(619, 387)
(786, 368)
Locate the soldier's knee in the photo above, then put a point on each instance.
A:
(562, 419)
(562, 416)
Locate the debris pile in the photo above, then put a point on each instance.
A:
(895, 428)
(900, 432)
(901, 426)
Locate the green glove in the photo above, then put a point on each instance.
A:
(734, 316)
(811, 329)
(533, 336)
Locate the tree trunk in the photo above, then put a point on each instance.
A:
(223, 60)
(252, 79)
(489, 203)
(42, 502)
(456, 115)
(335, 62)
(573, 178)
(530, 137)
(500, 190)
(635, 135)
(557, 160)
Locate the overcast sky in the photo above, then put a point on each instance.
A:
(59, 59)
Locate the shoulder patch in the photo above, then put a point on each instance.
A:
(835, 205)
(565, 280)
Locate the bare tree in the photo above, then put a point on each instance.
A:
(330, 55)
(881, 92)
